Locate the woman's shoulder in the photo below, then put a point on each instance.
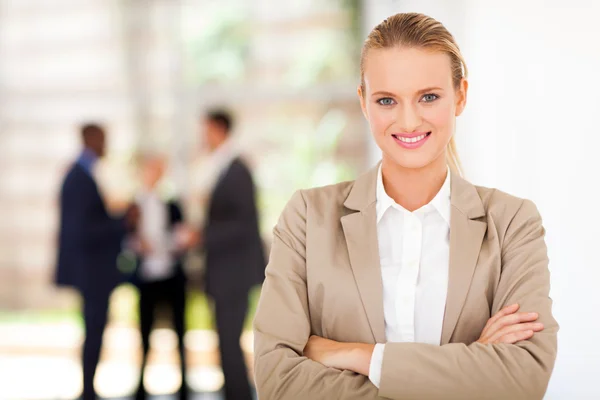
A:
(323, 197)
(502, 206)
(323, 206)
(318, 201)
(335, 194)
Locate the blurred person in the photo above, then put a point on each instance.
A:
(235, 259)
(160, 241)
(89, 243)
(409, 282)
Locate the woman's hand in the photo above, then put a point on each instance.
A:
(508, 326)
(186, 238)
(344, 356)
(145, 248)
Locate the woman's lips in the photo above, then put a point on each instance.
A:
(411, 141)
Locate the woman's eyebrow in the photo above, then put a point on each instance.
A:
(425, 90)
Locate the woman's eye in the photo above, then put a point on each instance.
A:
(387, 101)
(428, 98)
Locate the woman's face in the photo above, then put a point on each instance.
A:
(152, 172)
(411, 104)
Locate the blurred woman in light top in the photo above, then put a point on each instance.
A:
(161, 241)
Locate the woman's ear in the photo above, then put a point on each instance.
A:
(461, 96)
(363, 105)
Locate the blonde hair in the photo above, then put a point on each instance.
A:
(421, 31)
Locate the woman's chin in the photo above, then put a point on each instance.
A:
(411, 162)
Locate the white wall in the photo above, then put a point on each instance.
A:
(532, 128)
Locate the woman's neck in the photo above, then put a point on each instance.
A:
(413, 188)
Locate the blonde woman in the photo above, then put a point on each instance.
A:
(409, 282)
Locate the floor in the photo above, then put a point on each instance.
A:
(49, 356)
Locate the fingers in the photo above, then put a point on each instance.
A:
(515, 337)
(505, 311)
(508, 320)
(512, 329)
(508, 326)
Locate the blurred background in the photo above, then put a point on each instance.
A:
(148, 69)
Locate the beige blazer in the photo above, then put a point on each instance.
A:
(324, 278)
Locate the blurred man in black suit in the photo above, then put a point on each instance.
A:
(89, 243)
(235, 259)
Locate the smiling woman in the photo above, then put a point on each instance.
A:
(431, 93)
(409, 282)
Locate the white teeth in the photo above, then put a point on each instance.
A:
(411, 140)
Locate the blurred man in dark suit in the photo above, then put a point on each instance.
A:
(89, 243)
(235, 259)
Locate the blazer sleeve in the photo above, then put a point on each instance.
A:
(477, 371)
(282, 325)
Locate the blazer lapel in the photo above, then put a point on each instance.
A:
(466, 235)
(360, 231)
